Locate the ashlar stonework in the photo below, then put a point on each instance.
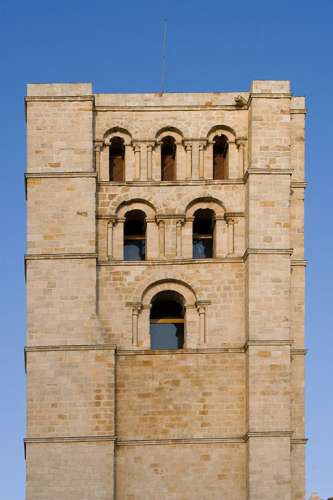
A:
(142, 202)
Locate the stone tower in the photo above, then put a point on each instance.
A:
(165, 280)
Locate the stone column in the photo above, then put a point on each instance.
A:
(136, 308)
(156, 167)
(150, 147)
(161, 237)
(110, 239)
(187, 237)
(97, 150)
(188, 150)
(104, 167)
(201, 160)
(179, 225)
(240, 143)
(233, 162)
(118, 240)
(152, 239)
(209, 174)
(220, 237)
(129, 163)
(137, 157)
(231, 235)
(180, 162)
(201, 308)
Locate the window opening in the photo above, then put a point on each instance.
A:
(203, 234)
(135, 235)
(220, 157)
(117, 159)
(167, 321)
(168, 159)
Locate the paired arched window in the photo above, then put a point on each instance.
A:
(167, 321)
(203, 233)
(220, 157)
(135, 235)
(117, 159)
(168, 158)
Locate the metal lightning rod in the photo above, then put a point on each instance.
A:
(163, 65)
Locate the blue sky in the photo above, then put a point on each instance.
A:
(211, 46)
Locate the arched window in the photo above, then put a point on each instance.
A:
(135, 235)
(220, 157)
(203, 233)
(117, 159)
(167, 321)
(168, 159)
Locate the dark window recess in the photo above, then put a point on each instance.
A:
(167, 321)
(168, 159)
(135, 236)
(203, 234)
(117, 159)
(220, 157)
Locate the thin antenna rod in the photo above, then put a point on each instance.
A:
(163, 56)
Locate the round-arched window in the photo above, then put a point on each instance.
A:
(167, 321)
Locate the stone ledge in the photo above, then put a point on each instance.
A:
(242, 348)
(165, 262)
(171, 107)
(267, 434)
(267, 251)
(194, 440)
(71, 347)
(266, 171)
(165, 352)
(55, 256)
(299, 352)
(57, 98)
(299, 441)
(255, 343)
(298, 184)
(183, 182)
(68, 439)
(34, 175)
(300, 111)
(299, 262)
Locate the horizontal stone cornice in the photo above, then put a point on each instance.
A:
(267, 171)
(171, 107)
(71, 347)
(267, 251)
(165, 441)
(299, 262)
(298, 184)
(164, 352)
(267, 342)
(175, 261)
(56, 98)
(194, 440)
(231, 349)
(268, 434)
(38, 175)
(68, 439)
(59, 256)
(183, 182)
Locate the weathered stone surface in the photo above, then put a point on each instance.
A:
(108, 417)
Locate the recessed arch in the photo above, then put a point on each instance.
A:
(173, 285)
(136, 204)
(119, 132)
(205, 203)
(169, 131)
(219, 130)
